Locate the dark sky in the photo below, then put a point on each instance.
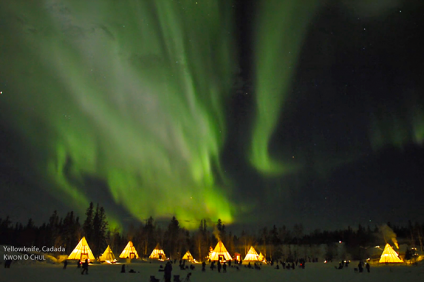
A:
(258, 114)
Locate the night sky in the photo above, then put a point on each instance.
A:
(254, 112)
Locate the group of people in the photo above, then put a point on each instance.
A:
(183, 266)
(255, 266)
(123, 269)
(361, 266)
(290, 264)
(168, 267)
(343, 264)
(219, 266)
(80, 264)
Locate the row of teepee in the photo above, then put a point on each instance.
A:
(83, 252)
(252, 256)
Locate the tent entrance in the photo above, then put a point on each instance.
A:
(84, 257)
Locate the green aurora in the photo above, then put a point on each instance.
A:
(137, 102)
(292, 17)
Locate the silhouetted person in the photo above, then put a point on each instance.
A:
(123, 268)
(65, 264)
(79, 264)
(7, 263)
(224, 267)
(203, 266)
(219, 266)
(168, 272)
(85, 267)
(360, 268)
(367, 265)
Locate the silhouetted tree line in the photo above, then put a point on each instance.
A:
(59, 232)
(176, 240)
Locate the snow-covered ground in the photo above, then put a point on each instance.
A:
(317, 272)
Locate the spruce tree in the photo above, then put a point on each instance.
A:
(99, 231)
(88, 224)
(53, 229)
(149, 234)
(202, 243)
(221, 231)
(172, 238)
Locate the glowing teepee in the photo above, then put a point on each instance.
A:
(187, 256)
(220, 253)
(108, 255)
(129, 252)
(210, 252)
(82, 251)
(261, 258)
(389, 255)
(158, 253)
(251, 255)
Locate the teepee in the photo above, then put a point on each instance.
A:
(82, 251)
(261, 258)
(251, 256)
(220, 253)
(129, 252)
(389, 255)
(158, 253)
(187, 256)
(108, 255)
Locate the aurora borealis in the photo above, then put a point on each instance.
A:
(270, 43)
(243, 111)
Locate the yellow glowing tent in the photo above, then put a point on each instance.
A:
(220, 253)
(157, 253)
(389, 255)
(261, 257)
(187, 256)
(108, 255)
(251, 256)
(210, 252)
(129, 252)
(82, 251)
